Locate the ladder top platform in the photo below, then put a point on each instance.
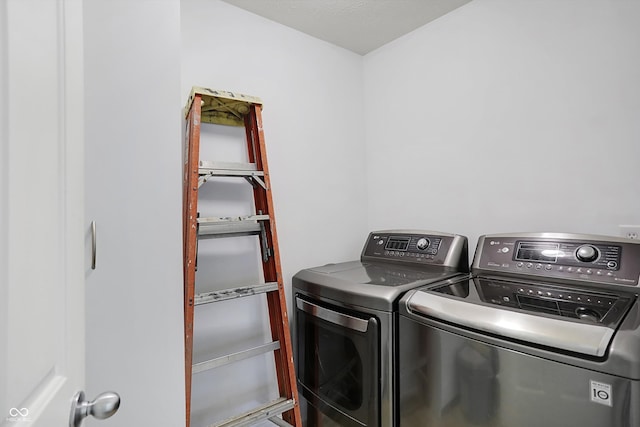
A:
(222, 107)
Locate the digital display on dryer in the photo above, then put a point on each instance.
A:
(538, 251)
(397, 243)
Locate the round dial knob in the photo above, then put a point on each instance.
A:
(587, 253)
(423, 243)
(588, 314)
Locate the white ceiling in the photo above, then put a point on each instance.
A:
(358, 25)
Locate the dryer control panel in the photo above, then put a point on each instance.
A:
(417, 247)
(573, 257)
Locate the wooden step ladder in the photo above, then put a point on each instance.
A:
(226, 108)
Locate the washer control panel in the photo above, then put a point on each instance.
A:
(572, 257)
(577, 303)
(417, 247)
(578, 254)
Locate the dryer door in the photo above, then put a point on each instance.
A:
(338, 364)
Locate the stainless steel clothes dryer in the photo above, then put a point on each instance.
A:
(345, 340)
(545, 333)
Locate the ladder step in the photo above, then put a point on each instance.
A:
(248, 171)
(231, 219)
(239, 292)
(264, 412)
(231, 226)
(235, 357)
(228, 169)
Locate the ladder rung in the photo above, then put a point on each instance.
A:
(264, 412)
(235, 357)
(231, 226)
(228, 169)
(247, 171)
(239, 292)
(231, 219)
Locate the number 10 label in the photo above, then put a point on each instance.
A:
(601, 393)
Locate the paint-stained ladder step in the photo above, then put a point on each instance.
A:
(235, 357)
(231, 226)
(238, 292)
(261, 413)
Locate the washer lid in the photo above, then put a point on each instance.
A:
(376, 285)
(579, 320)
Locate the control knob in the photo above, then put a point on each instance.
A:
(588, 314)
(423, 243)
(587, 253)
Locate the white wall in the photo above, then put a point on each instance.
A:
(312, 94)
(508, 116)
(313, 123)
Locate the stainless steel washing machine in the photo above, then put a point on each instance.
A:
(545, 333)
(346, 321)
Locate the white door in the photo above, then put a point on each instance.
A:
(41, 212)
(133, 191)
(130, 307)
